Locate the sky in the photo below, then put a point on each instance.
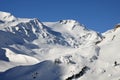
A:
(98, 15)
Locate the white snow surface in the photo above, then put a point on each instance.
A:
(5, 16)
(62, 50)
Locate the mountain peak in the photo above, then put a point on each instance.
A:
(70, 22)
(70, 25)
(5, 16)
(117, 26)
(67, 21)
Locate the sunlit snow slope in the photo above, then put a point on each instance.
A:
(62, 50)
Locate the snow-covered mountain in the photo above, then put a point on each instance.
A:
(62, 50)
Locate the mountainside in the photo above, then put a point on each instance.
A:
(62, 50)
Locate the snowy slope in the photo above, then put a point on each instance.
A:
(62, 50)
(74, 32)
(107, 67)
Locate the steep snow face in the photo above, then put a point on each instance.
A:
(110, 45)
(27, 30)
(107, 66)
(74, 33)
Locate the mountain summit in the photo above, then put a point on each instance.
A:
(61, 50)
(5, 16)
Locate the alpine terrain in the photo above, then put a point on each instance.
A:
(61, 50)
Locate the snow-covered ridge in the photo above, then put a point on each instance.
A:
(62, 50)
(74, 32)
(67, 25)
(64, 32)
(5, 16)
